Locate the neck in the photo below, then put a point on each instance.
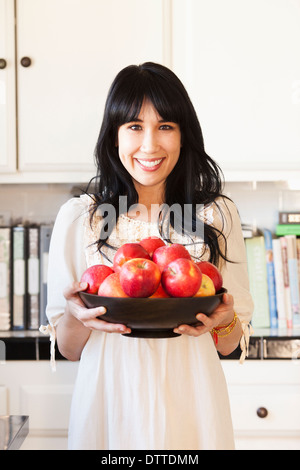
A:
(150, 200)
(149, 195)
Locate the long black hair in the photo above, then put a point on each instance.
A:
(195, 179)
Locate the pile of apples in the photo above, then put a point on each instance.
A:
(151, 268)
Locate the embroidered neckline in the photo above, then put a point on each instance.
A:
(137, 221)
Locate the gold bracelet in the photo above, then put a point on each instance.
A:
(224, 330)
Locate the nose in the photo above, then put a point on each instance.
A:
(150, 142)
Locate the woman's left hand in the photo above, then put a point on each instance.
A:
(223, 315)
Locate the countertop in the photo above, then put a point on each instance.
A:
(265, 343)
(13, 431)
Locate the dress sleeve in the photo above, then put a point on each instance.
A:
(66, 256)
(66, 261)
(235, 273)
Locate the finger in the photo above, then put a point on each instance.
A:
(191, 330)
(97, 311)
(206, 320)
(97, 324)
(74, 288)
(89, 314)
(227, 299)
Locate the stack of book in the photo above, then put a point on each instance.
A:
(23, 276)
(274, 274)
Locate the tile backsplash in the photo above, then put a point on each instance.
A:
(34, 203)
(258, 203)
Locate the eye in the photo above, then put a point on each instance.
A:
(135, 127)
(166, 127)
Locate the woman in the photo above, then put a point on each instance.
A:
(138, 393)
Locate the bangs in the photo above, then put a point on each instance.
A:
(165, 99)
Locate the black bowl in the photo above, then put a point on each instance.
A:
(153, 318)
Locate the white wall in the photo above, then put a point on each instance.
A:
(258, 203)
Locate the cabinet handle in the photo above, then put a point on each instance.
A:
(25, 61)
(262, 412)
(3, 63)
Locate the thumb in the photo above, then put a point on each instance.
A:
(227, 299)
(74, 288)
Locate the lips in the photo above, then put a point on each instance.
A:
(149, 164)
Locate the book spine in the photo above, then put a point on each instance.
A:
(293, 277)
(289, 217)
(287, 229)
(19, 278)
(279, 284)
(45, 236)
(286, 281)
(33, 276)
(5, 278)
(298, 260)
(257, 270)
(271, 278)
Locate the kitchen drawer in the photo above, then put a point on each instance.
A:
(280, 403)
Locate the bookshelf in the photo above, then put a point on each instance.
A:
(25, 345)
(259, 203)
(265, 344)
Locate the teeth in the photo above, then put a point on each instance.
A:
(148, 163)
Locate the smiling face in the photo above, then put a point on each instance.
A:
(149, 149)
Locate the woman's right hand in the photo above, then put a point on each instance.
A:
(88, 316)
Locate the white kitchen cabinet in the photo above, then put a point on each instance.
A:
(7, 88)
(68, 53)
(31, 388)
(265, 407)
(239, 59)
(3, 400)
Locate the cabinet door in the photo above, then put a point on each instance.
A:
(47, 405)
(7, 88)
(3, 400)
(76, 47)
(240, 61)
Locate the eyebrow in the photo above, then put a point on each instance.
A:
(160, 120)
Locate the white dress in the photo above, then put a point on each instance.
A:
(137, 393)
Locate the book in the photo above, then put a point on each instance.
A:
(287, 229)
(293, 278)
(19, 284)
(279, 284)
(286, 283)
(257, 271)
(287, 217)
(271, 278)
(5, 278)
(45, 236)
(33, 278)
(247, 231)
(298, 259)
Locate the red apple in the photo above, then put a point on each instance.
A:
(163, 255)
(151, 244)
(159, 293)
(94, 276)
(111, 287)
(206, 288)
(181, 278)
(126, 252)
(139, 277)
(213, 272)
